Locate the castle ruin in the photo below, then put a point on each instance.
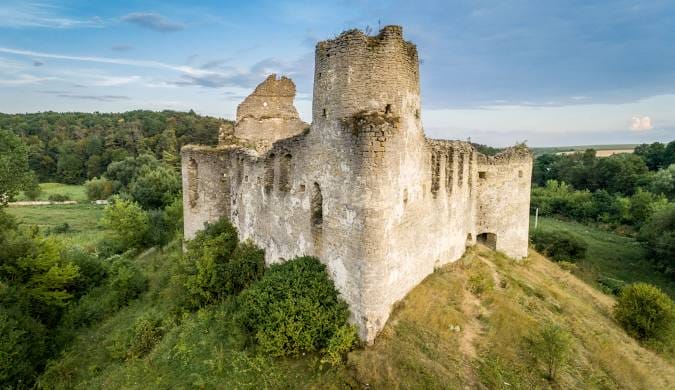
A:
(361, 188)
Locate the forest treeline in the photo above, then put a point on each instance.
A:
(74, 147)
(632, 194)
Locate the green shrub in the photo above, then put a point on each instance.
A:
(22, 348)
(344, 340)
(155, 187)
(59, 229)
(559, 245)
(480, 282)
(58, 198)
(658, 236)
(217, 265)
(32, 188)
(126, 280)
(567, 266)
(108, 247)
(294, 308)
(611, 285)
(644, 311)
(550, 345)
(147, 332)
(92, 272)
(99, 188)
(126, 221)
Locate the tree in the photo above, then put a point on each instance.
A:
(14, 171)
(155, 187)
(551, 345)
(127, 221)
(619, 173)
(658, 235)
(654, 155)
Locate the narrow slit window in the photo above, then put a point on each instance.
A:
(193, 182)
(269, 174)
(285, 173)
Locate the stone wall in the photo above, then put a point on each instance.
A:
(362, 189)
(268, 114)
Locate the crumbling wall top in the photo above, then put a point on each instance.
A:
(351, 37)
(518, 153)
(273, 98)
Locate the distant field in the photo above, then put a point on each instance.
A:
(81, 218)
(609, 255)
(73, 192)
(603, 150)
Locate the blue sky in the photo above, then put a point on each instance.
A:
(554, 72)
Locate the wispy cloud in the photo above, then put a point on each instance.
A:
(210, 75)
(109, 60)
(152, 21)
(24, 79)
(98, 98)
(26, 14)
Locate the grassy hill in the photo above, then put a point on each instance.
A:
(465, 326)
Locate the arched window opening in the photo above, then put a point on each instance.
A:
(285, 173)
(193, 182)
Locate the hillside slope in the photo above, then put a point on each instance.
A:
(421, 343)
(464, 327)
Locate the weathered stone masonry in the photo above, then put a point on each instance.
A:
(361, 188)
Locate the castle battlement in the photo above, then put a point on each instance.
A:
(355, 72)
(361, 188)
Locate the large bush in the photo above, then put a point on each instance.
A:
(155, 187)
(23, 349)
(126, 221)
(99, 188)
(295, 308)
(658, 235)
(217, 265)
(559, 245)
(644, 311)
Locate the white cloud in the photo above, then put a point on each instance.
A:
(26, 13)
(641, 123)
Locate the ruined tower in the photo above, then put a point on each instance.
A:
(361, 188)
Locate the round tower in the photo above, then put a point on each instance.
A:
(355, 73)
